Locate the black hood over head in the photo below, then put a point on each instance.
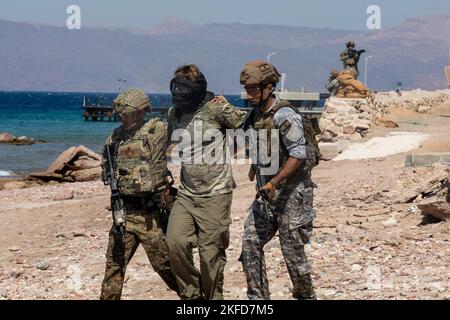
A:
(187, 94)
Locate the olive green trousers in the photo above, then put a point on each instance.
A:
(204, 223)
(141, 228)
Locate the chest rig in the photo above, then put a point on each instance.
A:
(259, 120)
(141, 164)
(266, 121)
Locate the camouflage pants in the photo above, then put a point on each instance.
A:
(203, 223)
(352, 69)
(293, 216)
(141, 228)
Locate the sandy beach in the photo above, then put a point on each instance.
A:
(364, 246)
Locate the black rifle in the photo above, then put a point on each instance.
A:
(109, 178)
(353, 52)
(259, 184)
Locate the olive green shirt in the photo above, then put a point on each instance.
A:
(200, 178)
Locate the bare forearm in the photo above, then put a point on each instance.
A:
(289, 168)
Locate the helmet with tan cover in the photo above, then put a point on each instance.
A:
(132, 100)
(334, 73)
(258, 72)
(350, 43)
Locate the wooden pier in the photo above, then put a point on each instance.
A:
(99, 110)
(105, 112)
(94, 113)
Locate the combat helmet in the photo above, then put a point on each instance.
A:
(334, 73)
(259, 73)
(132, 100)
(350, 43)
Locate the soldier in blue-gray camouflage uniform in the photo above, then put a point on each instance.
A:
(289, 190)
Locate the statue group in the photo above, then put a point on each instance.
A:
(344, 84)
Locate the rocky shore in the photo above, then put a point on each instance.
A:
(382, 229)
(7, 138)
(346, 121)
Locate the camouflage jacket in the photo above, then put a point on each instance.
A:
(296, 138)
(199, 176)
(140, 158)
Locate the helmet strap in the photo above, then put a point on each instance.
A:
(262, 102)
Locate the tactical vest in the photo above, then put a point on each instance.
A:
(266, 121)
(141, 163)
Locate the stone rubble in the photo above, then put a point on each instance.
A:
(351, 120)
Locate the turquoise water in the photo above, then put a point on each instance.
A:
(57, 119)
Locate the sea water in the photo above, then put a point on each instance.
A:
(57, 119)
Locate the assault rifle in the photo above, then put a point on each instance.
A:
(109, 178)
(259, 184)
(353, 52)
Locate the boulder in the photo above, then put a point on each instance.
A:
(87, 174)
(323, 124)
(429, 184)
(66, 160)
(348, 129)
(330, 109)
(361, 125)
(6, 137)
(439, 209)
(364, 108)
(423, 109)
(86, 163)
(24, 140)
(63, 159)
(385, 123)
(326, 137)
(438, 205)
(349, 119)
(334, 130)
(365, 116)
(355, 137)
(14, 185)
(328, 150)
(42, 265)
(329, 116)
(352, 110)
(339, 121)
(345, 109)
(64, 195)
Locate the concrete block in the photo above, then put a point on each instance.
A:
(426, 159)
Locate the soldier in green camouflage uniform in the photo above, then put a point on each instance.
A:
(141, 171)
(201, 214)
(289, 191)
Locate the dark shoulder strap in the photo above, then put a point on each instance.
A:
(283, 104)
(248, 122)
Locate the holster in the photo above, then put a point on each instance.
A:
(168, 199)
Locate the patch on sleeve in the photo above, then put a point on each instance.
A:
(219, 101)
(285, 127)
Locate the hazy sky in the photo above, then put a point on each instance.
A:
(336, 14)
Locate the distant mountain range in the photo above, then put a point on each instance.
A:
(49, 58)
